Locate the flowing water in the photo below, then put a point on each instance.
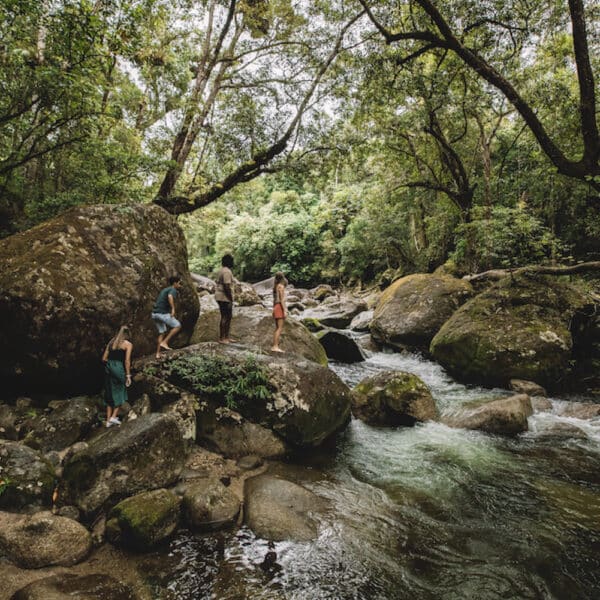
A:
(423, 513)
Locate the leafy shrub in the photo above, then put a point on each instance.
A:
(236, 384)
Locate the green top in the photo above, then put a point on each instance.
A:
(162, 305)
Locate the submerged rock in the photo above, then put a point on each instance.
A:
(68, 586)
(393, 398)
(26, 478)
(340, 346)
(276, 509)
(517, 329)
(254, 326)
(143, 454)
(58, 277)
(413, 309)
(144, 520)
(506, 416)
(43, 540)
(209, 505)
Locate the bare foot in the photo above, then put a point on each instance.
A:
(225, 341)
(165, 346)
(231, 340)
(157, 355)
(277, 350)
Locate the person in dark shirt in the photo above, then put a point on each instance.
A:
(224, 297)
(163, 314)
(117, 369)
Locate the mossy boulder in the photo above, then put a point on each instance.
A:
(26, 477)
(300, 400)
(414, 308)
(518, 329)
(254, 326)
(209, 505)
(144, 454)
(393, 398)
(43, 540)
(69, 283)
(506, 416)
(143, 521)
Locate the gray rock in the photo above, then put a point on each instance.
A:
(250, 462)
(238, 437)
(562, 431)
(8, 423)
(530, 388)
(27, 478)
(140, 455)
(393, 398)
(276, 509)
(43, 540)
(209, 505)
(506, 416)
(321, 292)
(245, 294)
(580, 410)
(340, 346)
(67, 586)
(336, 313)
(70, 512)
(540, 404)
(362, 321)
(122, 255)
(69, 422)
(203, 283)
(143, 521)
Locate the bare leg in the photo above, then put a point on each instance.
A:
(108, 413)
(161, 336)
(224, 327)
(277, 335)
(165, 343)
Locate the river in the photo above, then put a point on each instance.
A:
(426, 512)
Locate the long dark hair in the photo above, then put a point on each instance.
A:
(279, 278)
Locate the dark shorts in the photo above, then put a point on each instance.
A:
(226, 309)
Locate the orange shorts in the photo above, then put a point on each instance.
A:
(278, 312)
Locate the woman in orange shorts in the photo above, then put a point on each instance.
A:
(279, 309)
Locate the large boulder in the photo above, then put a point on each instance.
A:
(68, 284)
(203, 284)
(340, 346)
(254, 326)
(301, 401)
(518, 329)
(144, 454)
(276, 509)
(98, 586)
(506, 416)
(412, 310)
(69, 422)
(43, 540)
(26, 478)
(143, 521)
(393, 398)
(209, 505)
(245, 294)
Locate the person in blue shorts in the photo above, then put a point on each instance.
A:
(163, 314)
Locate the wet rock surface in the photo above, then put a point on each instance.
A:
(340, 346)
(209, 505)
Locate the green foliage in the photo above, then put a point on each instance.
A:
(235, 384)
(4, 484)
(504, 237)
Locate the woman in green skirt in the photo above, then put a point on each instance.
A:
(117, 369)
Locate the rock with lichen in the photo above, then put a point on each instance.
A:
(69, 283)
(393, 398)
(520, 328)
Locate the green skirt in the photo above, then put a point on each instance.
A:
(115, 392)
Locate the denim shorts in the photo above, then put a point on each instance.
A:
(164, 321)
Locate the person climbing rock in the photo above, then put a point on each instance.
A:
(163, 314)
(117, 377)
